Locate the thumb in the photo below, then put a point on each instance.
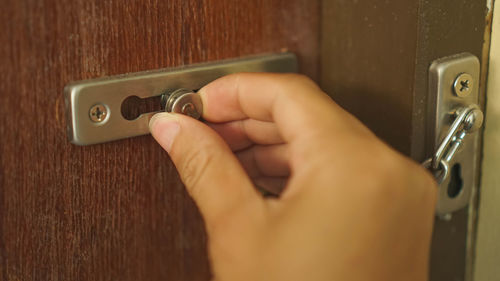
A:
(212, 174)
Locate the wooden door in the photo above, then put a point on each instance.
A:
(117, 211)
(375, 62)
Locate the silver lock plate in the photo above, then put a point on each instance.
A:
(93, 107)
(454, 84)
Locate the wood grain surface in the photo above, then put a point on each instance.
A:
(115, 211)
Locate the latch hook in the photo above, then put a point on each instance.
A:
(453, 114)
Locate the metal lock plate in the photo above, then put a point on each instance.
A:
(93, 107)
(454, 85)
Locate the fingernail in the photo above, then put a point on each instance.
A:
(164, 127)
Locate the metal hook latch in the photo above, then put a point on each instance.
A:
(468, 121)
(183, 101)
(453, 115)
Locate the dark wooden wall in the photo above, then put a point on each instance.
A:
(115, 211)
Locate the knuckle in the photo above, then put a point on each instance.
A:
(293, 87)
(397, 178)
(427, 183)
(294, 81)
(299, 78)
(387, 174)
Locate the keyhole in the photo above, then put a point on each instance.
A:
(133, 106)
(456, 182)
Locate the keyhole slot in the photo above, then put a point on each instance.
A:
(133, 106)
(456, 182)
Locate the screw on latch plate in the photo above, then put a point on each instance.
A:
(463, 85)
(183, 101)
(98, 113)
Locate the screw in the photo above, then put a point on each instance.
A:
(463, 85)
(189, 110)
(98, 113)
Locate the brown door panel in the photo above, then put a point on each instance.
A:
(114, 211)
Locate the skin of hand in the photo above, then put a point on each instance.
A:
(351, 208)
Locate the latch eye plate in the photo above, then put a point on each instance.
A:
(94, 107)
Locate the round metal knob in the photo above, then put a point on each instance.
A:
(474, 120)
(183, 101)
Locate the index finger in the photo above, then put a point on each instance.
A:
(294, 102)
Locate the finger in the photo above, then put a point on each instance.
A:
(241, 134)
(269, 160)
(293, 102)
(208, 168)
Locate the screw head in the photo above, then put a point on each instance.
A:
(189, 110)
(463, 85)
(98, 113)
(185, 102)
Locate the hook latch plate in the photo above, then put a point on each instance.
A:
(454, 85)
(93, 107)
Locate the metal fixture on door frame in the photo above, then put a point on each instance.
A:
(453, 117)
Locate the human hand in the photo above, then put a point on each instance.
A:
(351, 208)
